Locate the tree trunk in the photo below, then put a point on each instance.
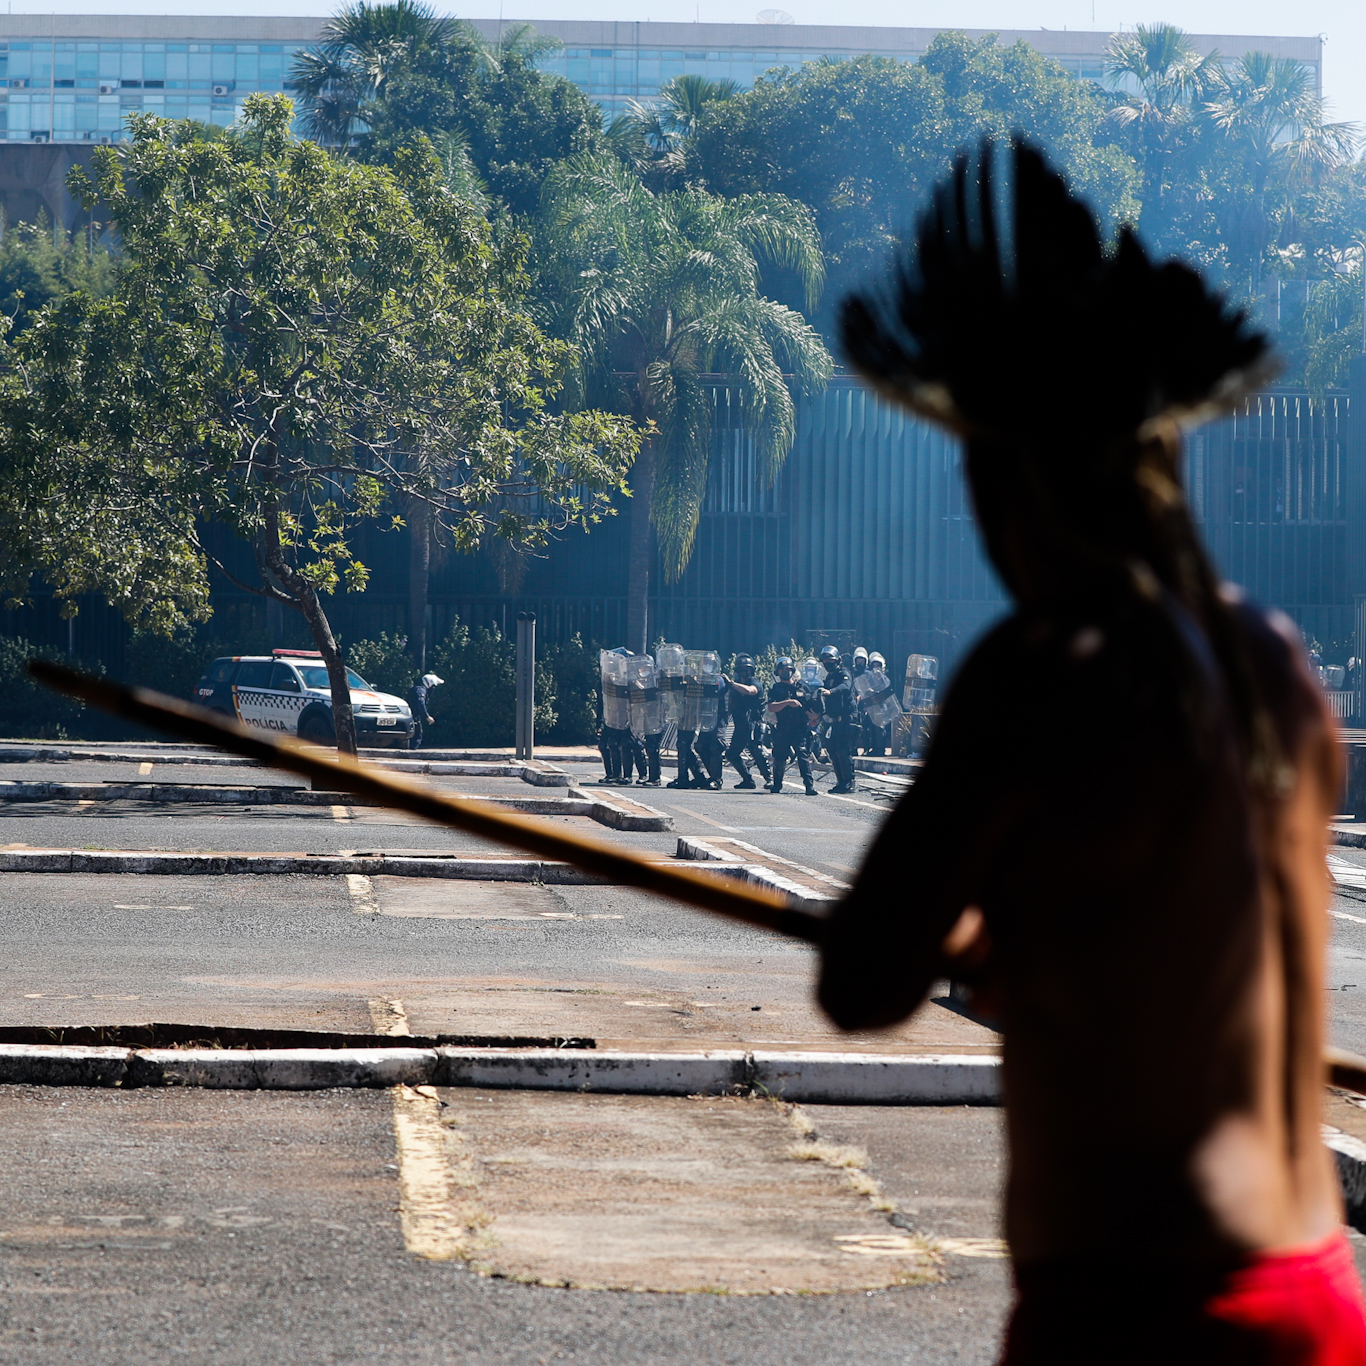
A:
(305, 598)
(642, 545)
(343, 719)
(419, 573)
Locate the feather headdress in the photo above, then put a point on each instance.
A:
(1009, 314)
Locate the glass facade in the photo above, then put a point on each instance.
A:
(72, 91)
(70, 87)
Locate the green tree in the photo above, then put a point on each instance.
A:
(1171, 77)
(650, 137)
(1273, 121)
(657, 290)
(863, 141)
(386, 72)
(292, 340)
(38, 267)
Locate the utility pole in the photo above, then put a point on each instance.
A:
(526, 685)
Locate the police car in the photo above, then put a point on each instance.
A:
(288, 692)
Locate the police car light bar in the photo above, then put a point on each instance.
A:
(298, 654)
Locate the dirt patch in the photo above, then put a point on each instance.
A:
(667, 1194)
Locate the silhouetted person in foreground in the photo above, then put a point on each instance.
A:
(1139, 896)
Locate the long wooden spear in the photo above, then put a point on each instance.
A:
(707, 891)
(752, 905)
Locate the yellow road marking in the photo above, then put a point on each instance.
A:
(698, 816)
(341, 813)
(144, 770)
(364, 902)
(426, 1191)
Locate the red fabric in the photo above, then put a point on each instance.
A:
(1302, 1308)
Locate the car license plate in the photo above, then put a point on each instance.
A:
(386, 720)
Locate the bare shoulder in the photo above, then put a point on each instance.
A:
(1277, 653)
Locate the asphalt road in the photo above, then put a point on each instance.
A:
(159, 1226)
(149, 1227)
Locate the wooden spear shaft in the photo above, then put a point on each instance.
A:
(752, 905)
(707, 891)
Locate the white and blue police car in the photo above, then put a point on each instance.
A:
(288, 692)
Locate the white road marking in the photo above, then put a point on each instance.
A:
(872, 806)
(144, 770)
(1342, 915)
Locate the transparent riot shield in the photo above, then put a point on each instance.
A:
(922, 676)
(709, 709)
(616, 694)
(692, 697)
(670, 671)
(874, 691)
(647, 708)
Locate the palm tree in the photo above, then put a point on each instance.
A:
(659, 290)
(1268, 109)
(650, 137)
(1169, 75)
(364, 47)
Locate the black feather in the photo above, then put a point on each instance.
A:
(1002, 321)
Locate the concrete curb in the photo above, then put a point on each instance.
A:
(537, 772)
(837, 1078)
(315, 865)
(616, 814)
(1349, 1154)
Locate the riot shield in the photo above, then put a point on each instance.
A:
(616, 695)
(875, 694)
(692, 696)
(710, 677)
(647, 710)
(670, 671)
(922, 674)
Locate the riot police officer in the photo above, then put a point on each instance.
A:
(746, 708)
(789, 705)
(709, 747)
(839, 711)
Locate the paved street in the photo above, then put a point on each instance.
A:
(149, 1226)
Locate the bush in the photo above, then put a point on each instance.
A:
(29, 711)
(477, 706)
(385, 663)
(577, 676)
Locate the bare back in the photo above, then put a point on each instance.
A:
(1157, 937)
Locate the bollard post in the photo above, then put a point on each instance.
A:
(526, 685)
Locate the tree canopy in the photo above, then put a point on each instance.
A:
(385, 72)
(862, 141)
(658, 290)
(292, 342)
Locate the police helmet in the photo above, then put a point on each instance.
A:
(621, 650)
(744, 664)
(431, 681)
(829, 656)
(861, 652)
(784, 663)
(876, 661)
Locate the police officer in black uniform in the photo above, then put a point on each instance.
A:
(788, 705)
(746, 709)
(838, 694)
